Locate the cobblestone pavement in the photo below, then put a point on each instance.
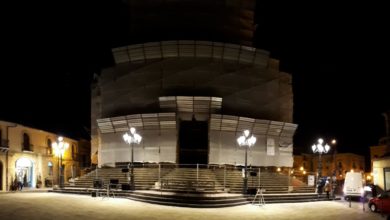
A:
(43, 205)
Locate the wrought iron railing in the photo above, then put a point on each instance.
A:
(27, 147)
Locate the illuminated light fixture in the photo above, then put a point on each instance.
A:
(246, 141)
(304, 172)
(131, 139)
(320, 148)
(301, 168)
(59, 148)
(278, 169)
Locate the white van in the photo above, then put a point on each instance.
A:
(353, 185)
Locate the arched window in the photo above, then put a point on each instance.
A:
(49, 149)
(26, 142)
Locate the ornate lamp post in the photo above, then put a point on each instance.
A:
(59, 148)
(334, 177)
(246, 141)
(320, 149)
(131, 139)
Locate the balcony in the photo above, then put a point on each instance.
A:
(4, 145)
(27, 147)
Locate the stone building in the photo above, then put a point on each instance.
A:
(191, 94)
(26, 155)
(330, 163)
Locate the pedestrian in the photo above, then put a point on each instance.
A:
(327, 188)
(20, 185)
(373, 190)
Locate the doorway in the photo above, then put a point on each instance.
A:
(24, 172)
(193, 142)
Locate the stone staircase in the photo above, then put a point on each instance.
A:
(289, 198)
(191, 180)
(145, 178)
(195, 200)
(301, 187)
(272, 182)
(191, 187)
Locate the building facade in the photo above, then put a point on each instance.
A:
(26, 156)
(339, 163)
(380, 158)
(381, 172)
(231, 93)
(191, 94)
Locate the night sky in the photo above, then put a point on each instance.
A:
(337, 54)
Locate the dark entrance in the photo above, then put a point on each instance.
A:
(193, 142)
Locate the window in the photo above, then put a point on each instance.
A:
(49, 149)
(387, 178)
(2, 142)
(26, 142)
(74, 152)
(50, 168)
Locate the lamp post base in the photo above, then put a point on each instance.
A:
(245, 189)
(132, 183)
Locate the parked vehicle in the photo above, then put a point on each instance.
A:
(380, 203)
(353, 185)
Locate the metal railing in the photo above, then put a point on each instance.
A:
(195, 177)
(27, 147)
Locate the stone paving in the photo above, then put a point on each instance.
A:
(43, 205)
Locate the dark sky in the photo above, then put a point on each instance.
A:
(337, 54)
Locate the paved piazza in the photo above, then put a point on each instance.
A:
(42, 205)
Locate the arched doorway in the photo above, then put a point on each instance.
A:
(1, 176)
(24, 172)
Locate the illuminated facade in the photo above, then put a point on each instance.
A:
(27, 156)
(231, 92)
(381, 172)
(345, 162)
(190, 99)
(380, 158)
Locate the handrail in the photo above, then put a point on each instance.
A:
(189, 184)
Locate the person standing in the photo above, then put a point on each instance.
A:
(328, 188)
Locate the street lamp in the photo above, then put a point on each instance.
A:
(320, 149)
(247, 142)
(334, 177)
(59, 148)
(131, 139)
